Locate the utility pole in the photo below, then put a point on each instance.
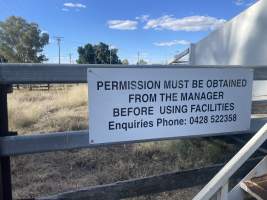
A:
(110, 54)
(58, 38)
(138, 57)
(110, 57)
(70, 54)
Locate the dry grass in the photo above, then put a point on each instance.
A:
(48, 173)
(35, 111)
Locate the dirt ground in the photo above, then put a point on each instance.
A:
(50, 173)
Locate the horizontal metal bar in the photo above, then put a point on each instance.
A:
(42, 73)
(243, 141)
(37, 143)
(150, 185)
(66, 73)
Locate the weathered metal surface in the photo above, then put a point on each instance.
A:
(36, 143)
(152, 184)
(66, 73)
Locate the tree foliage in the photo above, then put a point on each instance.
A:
(2, 59)
(22, 42)
(98, 54)
(125, 62)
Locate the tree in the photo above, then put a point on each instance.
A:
(2, 59)
(22, 42)
(98, 54)
(125, 62)
(86, 54)
(141, 62)
(114, 57)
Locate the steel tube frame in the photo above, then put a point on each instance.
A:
(51, 73)
(5, 172)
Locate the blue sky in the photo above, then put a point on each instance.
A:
(158, 29)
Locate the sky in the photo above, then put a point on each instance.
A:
(156, 29)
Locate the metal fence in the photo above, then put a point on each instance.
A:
(12, 144)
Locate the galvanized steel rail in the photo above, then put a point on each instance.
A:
(67, 73)
(38, 143)
(54, 73)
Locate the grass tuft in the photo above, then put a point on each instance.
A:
(56, 110)
(53, 172)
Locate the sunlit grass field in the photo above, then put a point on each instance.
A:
(65, 110)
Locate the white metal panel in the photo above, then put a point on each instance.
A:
(112, 109)
(241, 41)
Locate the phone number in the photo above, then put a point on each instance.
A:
(213, 119)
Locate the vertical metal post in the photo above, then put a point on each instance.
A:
(5, 175)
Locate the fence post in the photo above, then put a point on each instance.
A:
(5, 175)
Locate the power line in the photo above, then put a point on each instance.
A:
(58, 38)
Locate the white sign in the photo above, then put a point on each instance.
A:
(128, 104)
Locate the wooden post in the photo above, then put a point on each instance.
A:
(5, 175)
